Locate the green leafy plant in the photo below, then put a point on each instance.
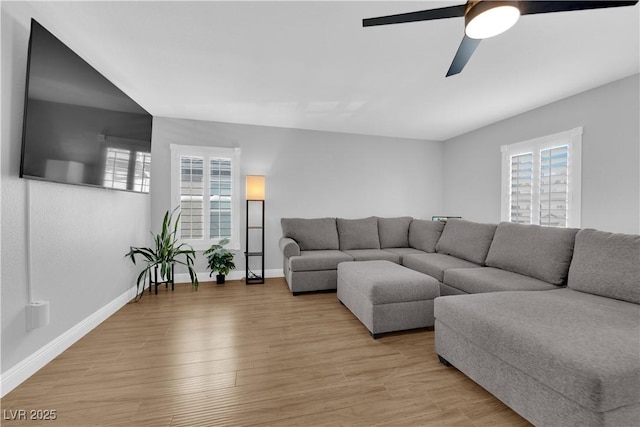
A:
(220, 259)
(167, 252)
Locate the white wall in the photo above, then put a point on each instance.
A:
(610, 157)
(310, 174)
(79, 234)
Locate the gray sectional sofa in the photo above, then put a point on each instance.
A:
(546, 319)
(504, 257)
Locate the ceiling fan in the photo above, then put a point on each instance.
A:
(488, 18)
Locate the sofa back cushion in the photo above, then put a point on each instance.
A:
(394, 232)
(466, 239)
(535, 251)
(606, 264)
(311, 234)
(358, 233)
(424, 235)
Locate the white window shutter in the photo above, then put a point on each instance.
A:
(220, 191)
(191, 197)
(521, 185)
(554, 189)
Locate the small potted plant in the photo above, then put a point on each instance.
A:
(220, 260)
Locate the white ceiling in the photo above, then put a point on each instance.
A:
(311, 65)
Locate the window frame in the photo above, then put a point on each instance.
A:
(178, 151)
(571, 138)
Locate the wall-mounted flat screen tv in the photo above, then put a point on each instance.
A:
(79, 128)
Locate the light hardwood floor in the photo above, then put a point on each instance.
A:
(251, 355)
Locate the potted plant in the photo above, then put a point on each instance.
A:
(220, 260)
(167, 252)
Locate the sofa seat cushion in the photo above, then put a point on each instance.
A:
(311, 234)
(532, 250)
(394, 232)
(466, 239)
(403, 251)
(583, 346)
(373, 255)
(435, 264)
(318, 260)
(606, 264)
(358, 233)
(382, 282)
(489, 279)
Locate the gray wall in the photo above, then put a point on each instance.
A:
(79, 234)
(310, 174)
(610, 157)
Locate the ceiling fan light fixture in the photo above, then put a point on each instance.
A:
(484, 19)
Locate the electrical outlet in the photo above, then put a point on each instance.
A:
(37, 314)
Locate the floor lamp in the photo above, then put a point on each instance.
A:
(255, 229)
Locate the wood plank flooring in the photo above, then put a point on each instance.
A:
(242, 355)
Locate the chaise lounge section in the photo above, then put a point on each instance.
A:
(568, 356)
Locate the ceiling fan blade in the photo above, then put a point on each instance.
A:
(423, 15)
(532, 7)
(466, 49)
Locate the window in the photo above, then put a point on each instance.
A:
(541, 180)
(205, 185)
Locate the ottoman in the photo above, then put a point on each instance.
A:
(386, 296)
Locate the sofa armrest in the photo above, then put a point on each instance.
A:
(289, 247)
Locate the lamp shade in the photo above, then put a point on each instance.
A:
(255, 187)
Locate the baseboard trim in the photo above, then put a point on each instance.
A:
(234, 275)
(19, 373)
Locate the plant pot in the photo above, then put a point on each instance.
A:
(220, 279)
